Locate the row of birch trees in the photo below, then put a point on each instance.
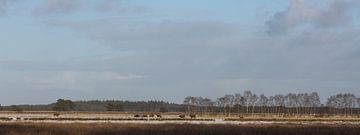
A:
(288, 104)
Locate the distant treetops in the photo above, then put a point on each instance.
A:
(247, 98)
(63, 105)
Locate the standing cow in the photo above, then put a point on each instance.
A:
(56, 114)
(192, 116)
(182, 116)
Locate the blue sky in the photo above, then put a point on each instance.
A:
(167, 50)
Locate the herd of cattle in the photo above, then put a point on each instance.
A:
(183, 116)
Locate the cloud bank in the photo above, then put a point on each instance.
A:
(310, 46)
(302, 13)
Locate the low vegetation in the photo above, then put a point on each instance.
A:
(174, 129)
(244, 104)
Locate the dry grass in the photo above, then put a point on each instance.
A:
(294, 119)
(96, 117)
(174, 129)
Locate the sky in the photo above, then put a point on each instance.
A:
(167, 50)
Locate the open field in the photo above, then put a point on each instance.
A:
(173, 129)
(113, 123)
(162, 118)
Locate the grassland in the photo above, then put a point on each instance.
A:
(128, 117)
(113, 123)
(174, 129)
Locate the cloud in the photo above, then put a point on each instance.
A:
(119, 34)
(65, 7)
(112, 6)
(5, 5)
(302, 14)
(168, 59)
(197, 49)
(53, 7)
(60, 78)
(56, 8)
(77, 77)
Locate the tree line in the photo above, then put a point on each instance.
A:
(288, 104)
(100, 106)
(246, 103)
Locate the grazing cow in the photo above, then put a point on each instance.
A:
(182, 116)
(56, 114)
(192, 116)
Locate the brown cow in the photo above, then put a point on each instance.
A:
(56, 114)
(192, 116)
(182, 116)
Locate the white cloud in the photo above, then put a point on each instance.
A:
(110, 76)
(58, 78)
(69, 7)
(78, 77)
(302, 13)
(318, 48)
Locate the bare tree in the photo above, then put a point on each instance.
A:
(253, 100)
(198, 105)
(221, 102)
(332, 103)
(239, 102)
(187, 103)
(206, 103)
(263, 102)
(191, 103)
(301, 102)
(226, 102)
(230, 99)
(291, 102)
(279, 102)
(342, 101)
(315, 101)
(350, 102)
(248, 100)
(271, 103)
(306, 99)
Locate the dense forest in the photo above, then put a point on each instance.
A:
(246, 103)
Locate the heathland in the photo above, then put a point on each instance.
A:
(174, 129)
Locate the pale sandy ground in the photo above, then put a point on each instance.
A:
(22, 116)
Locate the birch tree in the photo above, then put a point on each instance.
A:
(247, 98)
(263, 102)
(279, 101)
(239, 102)
(315, 101)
